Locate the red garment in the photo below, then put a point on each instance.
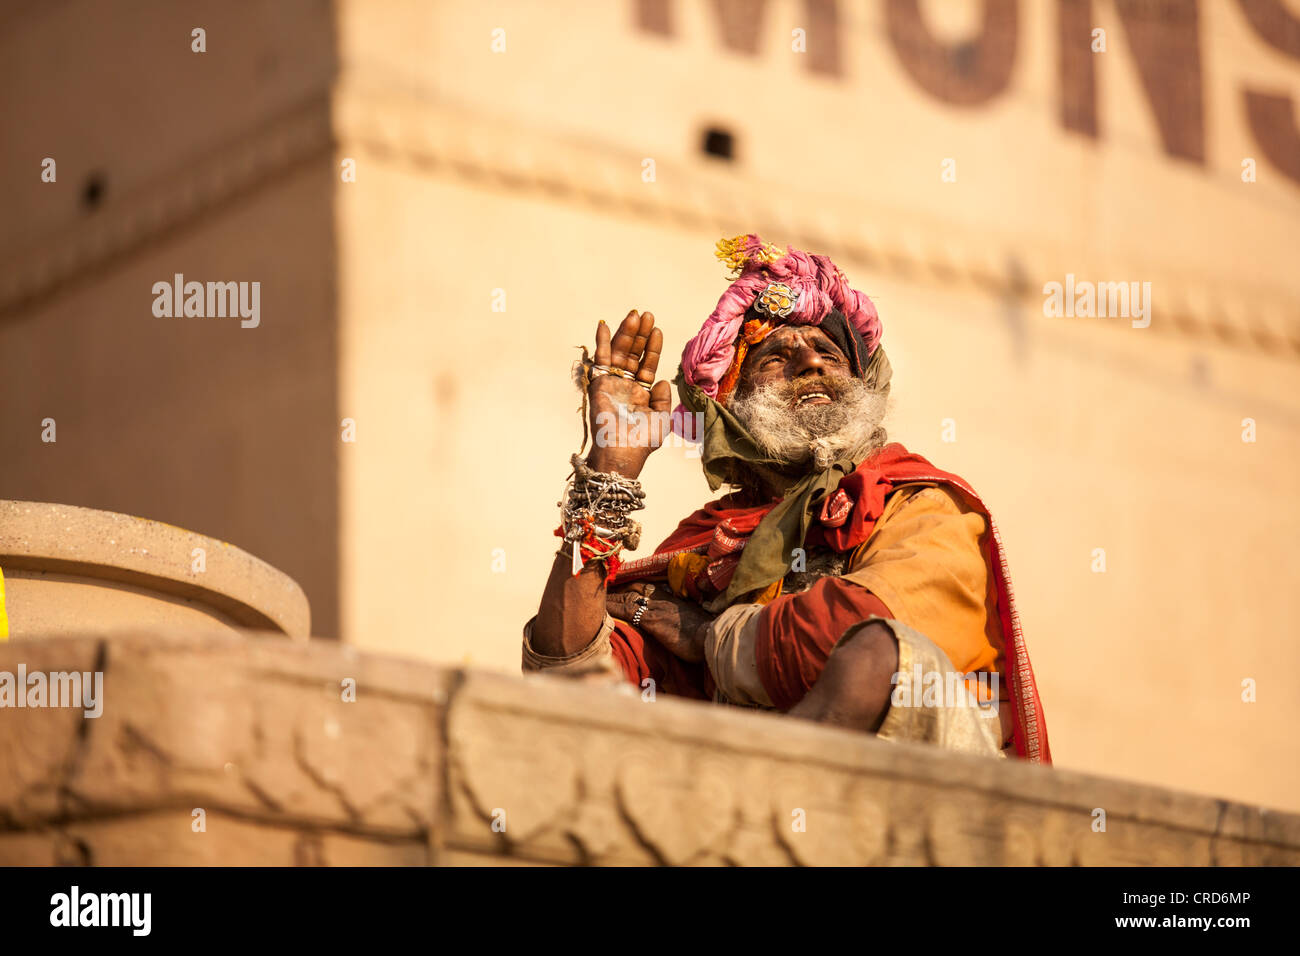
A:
(797, 633)
(643, 657)
(846, 520)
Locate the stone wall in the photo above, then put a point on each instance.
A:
(431, 765)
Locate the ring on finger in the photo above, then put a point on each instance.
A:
(641, 604)
(598, 370)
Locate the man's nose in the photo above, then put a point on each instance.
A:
(806, 361)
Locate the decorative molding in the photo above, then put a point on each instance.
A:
(498, 154)
(490, 152)
(589, 775)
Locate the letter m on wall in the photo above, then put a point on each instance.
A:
(740, 23)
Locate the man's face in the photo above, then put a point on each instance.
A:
(803, 356)
(800, 401)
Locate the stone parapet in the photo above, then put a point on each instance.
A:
(318, 754)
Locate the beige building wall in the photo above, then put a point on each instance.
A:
(501, 206)
(214, 166)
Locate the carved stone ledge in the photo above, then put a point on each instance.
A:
(240, 724)
(690, 783)
(455, 767)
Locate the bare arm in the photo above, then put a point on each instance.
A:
(573, 606)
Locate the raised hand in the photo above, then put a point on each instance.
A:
(629, 418)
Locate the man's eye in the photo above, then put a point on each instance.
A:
(831, 355)
(767, 362)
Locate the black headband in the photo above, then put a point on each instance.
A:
(849, 339)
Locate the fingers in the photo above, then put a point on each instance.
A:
(622, 605)
(650, 361)
(631, 592)
(623, 339)
(628, 600)
(636, 346)
(644, 328)
(602, 343)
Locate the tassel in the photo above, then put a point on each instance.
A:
(738, 251)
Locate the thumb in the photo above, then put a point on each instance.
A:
(661, 397)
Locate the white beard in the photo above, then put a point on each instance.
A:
(848, 427)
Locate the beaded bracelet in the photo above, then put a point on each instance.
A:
(594, 514)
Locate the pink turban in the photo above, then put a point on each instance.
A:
(820, 286)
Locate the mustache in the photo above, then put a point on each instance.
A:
(792, 391)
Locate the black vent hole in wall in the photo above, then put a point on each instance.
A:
(92, 193)
(719, 142)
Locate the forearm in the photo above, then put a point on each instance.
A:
(572, 609)
(595, 514)
(853, 687)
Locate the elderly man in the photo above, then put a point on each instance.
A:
(842, 579)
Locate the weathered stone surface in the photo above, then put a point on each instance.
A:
(37, 746)
(29, 848)
(167, 838)
(454, 767)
